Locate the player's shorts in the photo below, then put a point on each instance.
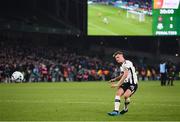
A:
(131, 87)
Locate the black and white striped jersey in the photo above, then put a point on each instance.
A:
(132, 76)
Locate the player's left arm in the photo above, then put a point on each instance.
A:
(120, 82)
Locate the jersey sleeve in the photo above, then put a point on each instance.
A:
(126, 66)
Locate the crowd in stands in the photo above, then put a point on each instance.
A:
(60, 64)
(145, 4)
(52, 64)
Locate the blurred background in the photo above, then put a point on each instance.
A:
(47, 40)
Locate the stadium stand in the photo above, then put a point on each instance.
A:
(30, 42)
(40, 63)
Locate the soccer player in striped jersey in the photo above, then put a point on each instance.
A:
(127, 83)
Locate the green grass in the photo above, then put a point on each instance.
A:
(86, 101)
(118, 23)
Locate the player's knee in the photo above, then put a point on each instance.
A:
(126, 96)
(119, 94)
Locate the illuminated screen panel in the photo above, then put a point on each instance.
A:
(166, 17)
(133, 17)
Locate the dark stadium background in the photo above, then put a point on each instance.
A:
(63, 24)
(47, 41)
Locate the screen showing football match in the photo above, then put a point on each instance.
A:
(134, 17)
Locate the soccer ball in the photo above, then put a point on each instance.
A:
(17, 76)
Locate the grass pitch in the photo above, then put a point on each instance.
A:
(86, 101)
(119, 24)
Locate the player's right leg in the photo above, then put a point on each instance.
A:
(128, 93)
(116, 112)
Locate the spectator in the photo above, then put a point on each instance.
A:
(148, 74)
(163, 73)
(143, 74)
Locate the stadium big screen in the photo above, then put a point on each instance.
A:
(134, 17)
